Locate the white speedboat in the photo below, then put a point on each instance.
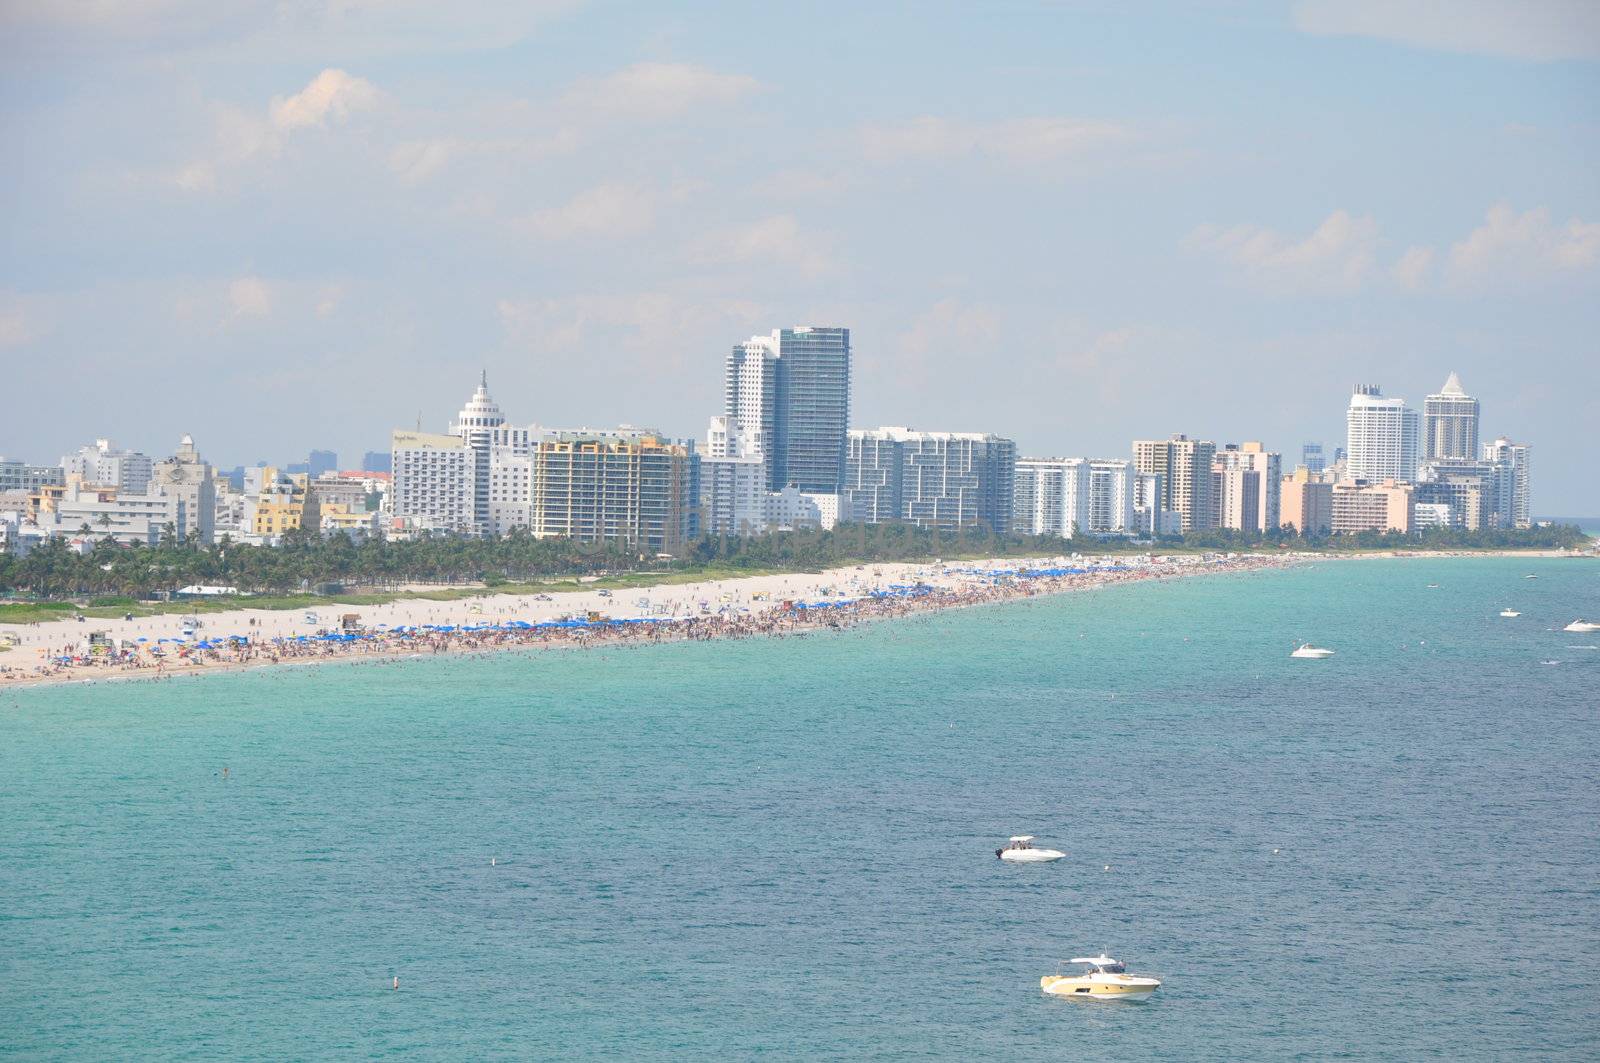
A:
(1509, 612)
(1306, 651)
(1105, 979)
(1582, 626)
(1021, 850)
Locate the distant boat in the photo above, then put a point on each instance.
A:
(1021, 851)
(1582, 626)
(1306, 651)
(1509, 612)
(1530, 576)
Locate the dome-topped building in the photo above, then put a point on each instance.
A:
(480, 416)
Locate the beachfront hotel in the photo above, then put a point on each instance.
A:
(1073, 496)
(930, 479)
(1450, 423)
(1245, 480)
(622, 487)
(1184, 466)
(1380, 437)
(790, 391)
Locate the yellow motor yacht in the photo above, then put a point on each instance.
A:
(1105, 979)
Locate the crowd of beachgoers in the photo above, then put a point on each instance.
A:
(755, 606)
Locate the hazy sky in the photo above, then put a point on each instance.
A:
(286, 224)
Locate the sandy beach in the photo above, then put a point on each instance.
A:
(159, 646)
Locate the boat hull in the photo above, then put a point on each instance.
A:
(1030, 856)
(1085, 989)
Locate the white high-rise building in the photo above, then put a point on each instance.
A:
(1066, 497)
(1512, 508)
(733, 481)
(1450, 423)
(931, 479)
(1381, 437)
(1150, 515)
(103, 464)
(1051, 497)
(435, 481)
(476, 425)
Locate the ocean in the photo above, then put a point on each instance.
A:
(784, 848)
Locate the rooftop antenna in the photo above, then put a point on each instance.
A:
(419, 420)
(484, 379)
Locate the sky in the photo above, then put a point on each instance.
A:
(281, 225)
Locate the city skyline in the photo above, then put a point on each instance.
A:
(282, 233)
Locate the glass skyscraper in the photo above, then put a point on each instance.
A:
(791, 390)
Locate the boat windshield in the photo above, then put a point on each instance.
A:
(1112, 968)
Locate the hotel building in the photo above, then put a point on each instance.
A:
(1381, 437)
(1450, 424)
(1184, 466)
(1356, 507)
(930, 479)
(791, 393)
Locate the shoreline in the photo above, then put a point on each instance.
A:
(153, 648)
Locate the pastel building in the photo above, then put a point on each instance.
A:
(1305, 502)
(1245, 479)
(1382, 507)
(1184, 466)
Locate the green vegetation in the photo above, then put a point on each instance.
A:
(113, 580)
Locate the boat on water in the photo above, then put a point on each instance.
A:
(1509, 612)
(1104, 979)
(1530, 576)
(1306, 651)
(1582, 626)
(1020, 850)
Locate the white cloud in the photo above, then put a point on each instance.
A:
(608, 210)
(1509, 247)
(1413, 268)
(330, 96)
(1337, 257)
(1516, 29)
(240, 136)
(659, 90)
(776, 240)
(1017, 140)
(250, 297)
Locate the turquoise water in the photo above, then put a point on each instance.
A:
(784, 848)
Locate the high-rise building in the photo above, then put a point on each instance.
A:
(1450, 423)
(322, 461)
(105, 465)
(435, 481)
(1305, 502)
(791, 392)
(931, 479)
(631, 487)
(1312, 458)
(733, 481)
(1380, 436)
(476, 424)
(187, 477)
(1245, 479)
(1074, 496)
(1512, 507)
(1150, 516)
(1184, 465)
(377, 461)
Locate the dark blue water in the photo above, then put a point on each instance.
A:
(784, 848)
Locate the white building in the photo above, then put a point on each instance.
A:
(1067, 497)
(126, 518)
(435, 481)
(1512, 508)
(790, 509)
(1432, 515)
(510, 488)
(104, 464)
(733, 480)
(931, 479)
(1381, 437)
